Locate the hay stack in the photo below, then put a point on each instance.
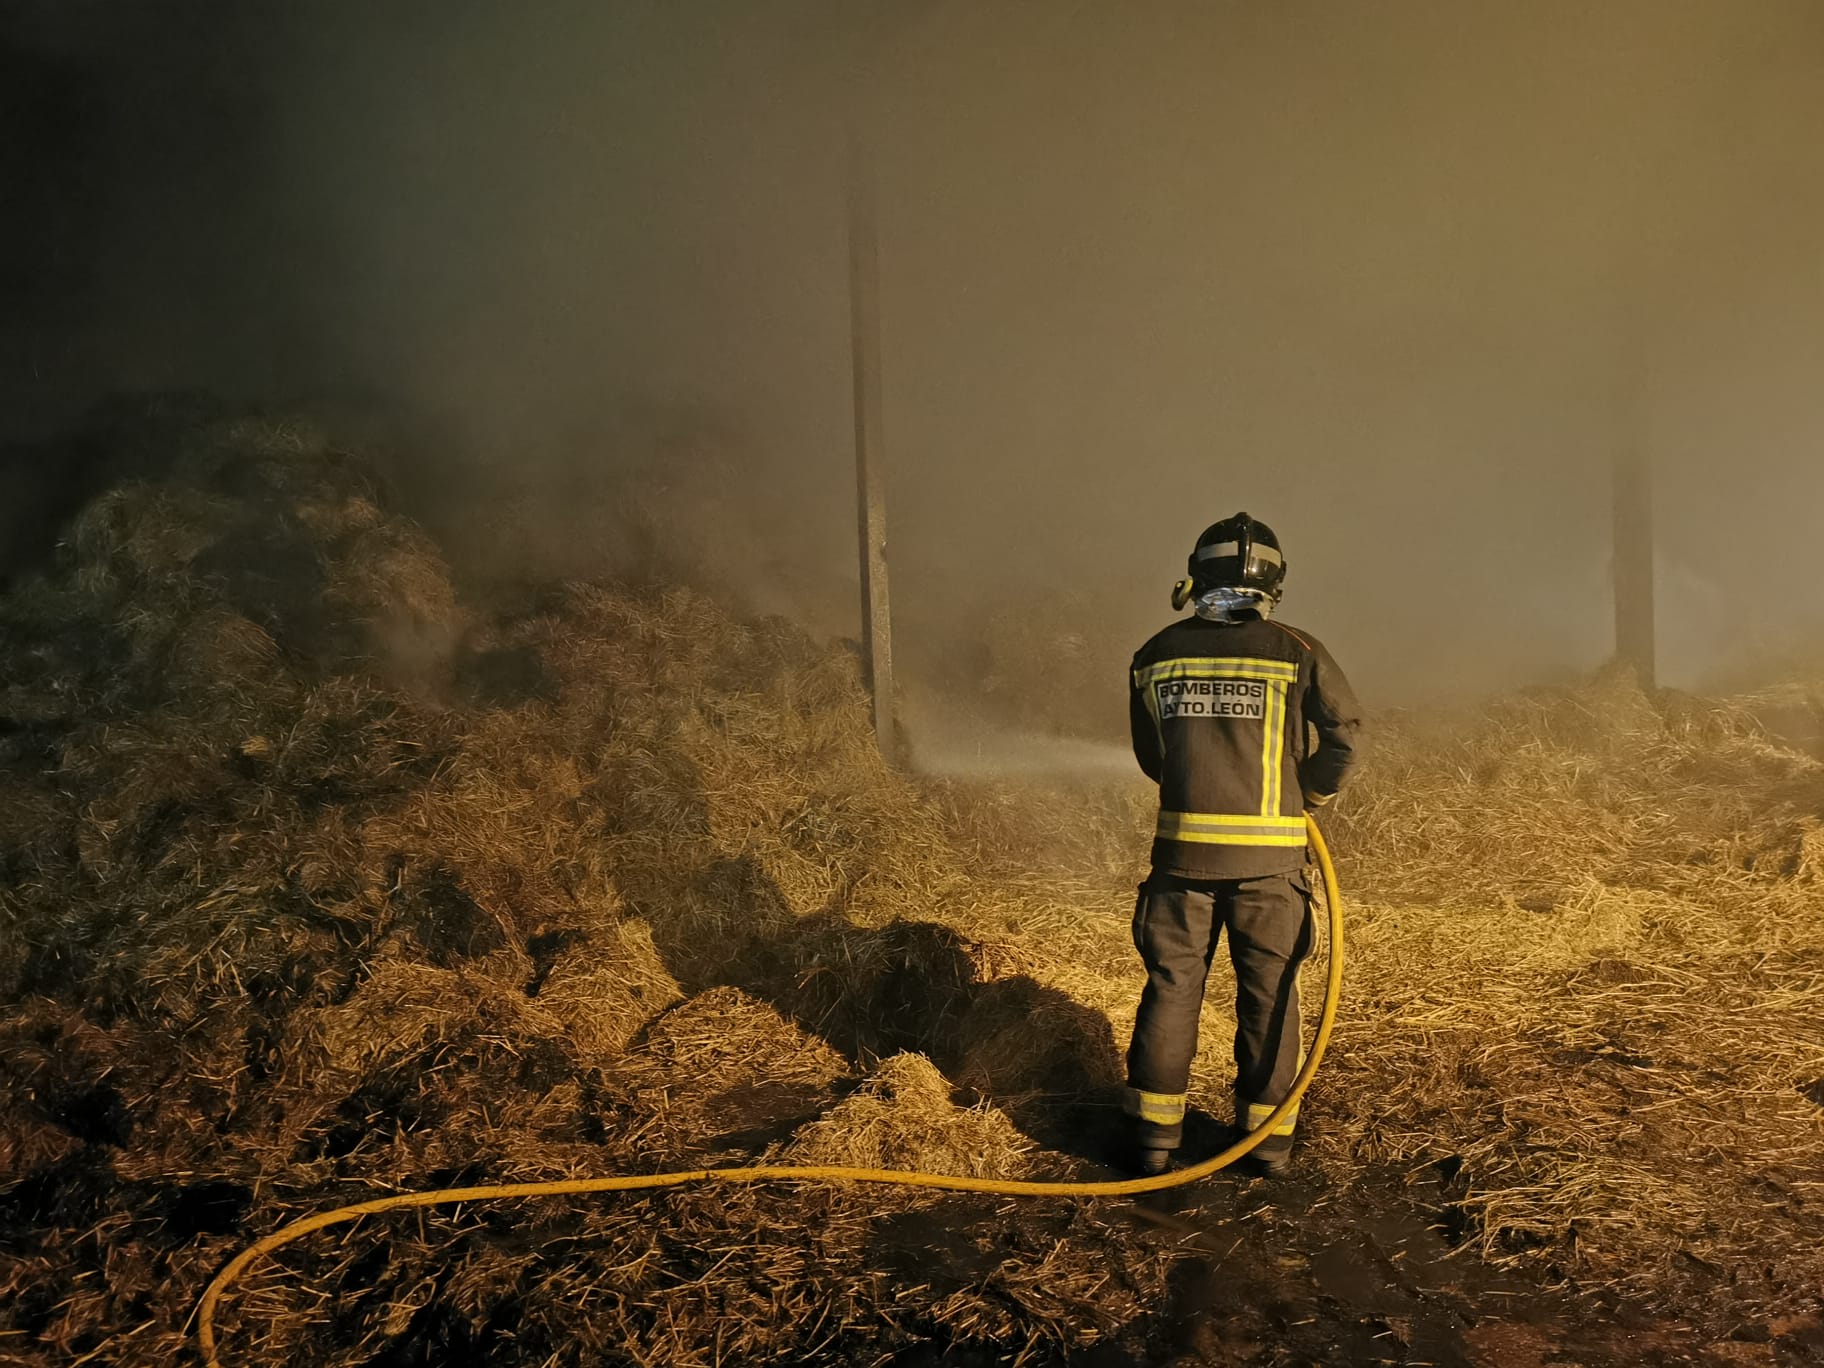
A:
(321, 934)
(277, 918)
(262, 521)
(1586, 957)
(221, 644)
(1023, 1041)
(392, 582)
(1791, 713)
(607, 988)
(1553, 787)
(903, 1118)
(723, 1070)
(724, 1039)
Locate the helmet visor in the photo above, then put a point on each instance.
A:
(1221, 563)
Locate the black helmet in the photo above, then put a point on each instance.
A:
(1238, 553)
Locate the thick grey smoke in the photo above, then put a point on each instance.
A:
(1397, 278)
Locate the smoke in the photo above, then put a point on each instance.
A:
(989, 754)
(1397, 279)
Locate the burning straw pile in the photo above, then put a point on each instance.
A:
(316, 884)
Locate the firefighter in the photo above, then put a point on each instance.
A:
(1223, 705)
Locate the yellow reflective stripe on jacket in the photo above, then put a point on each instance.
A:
(1222, 828)
(1162, 1109)
(1272, 745)
(1258, 1112)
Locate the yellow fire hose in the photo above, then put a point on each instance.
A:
(296, 1230)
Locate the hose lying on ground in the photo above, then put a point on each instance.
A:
(1128, 1187)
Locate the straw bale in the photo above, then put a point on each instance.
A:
(403, 1006)
(724, 1038)
(436, 1068)
(142, 532)
(1810, 863)
(28, 815)
(1549, 789)
(264, 517)
(221, 645)
(1790, 713)
(276, 461)
(903, 1118)
(234, 439)
(1022, 1039)
(608, 988)
(331, 518)
(720, 1072)
(871, 991)
(393, 581)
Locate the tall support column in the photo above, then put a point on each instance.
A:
(870, 473)
(1634, 611)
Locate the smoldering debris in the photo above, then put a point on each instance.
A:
(289, 916)
(292, 910)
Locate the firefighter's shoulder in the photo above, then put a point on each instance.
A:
(1168, 641)
(1306, 640)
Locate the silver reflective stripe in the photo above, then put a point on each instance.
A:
(1219, 549)
(1211, 820)
(1162, 1109)
(1258, 1112)
(1237, 830)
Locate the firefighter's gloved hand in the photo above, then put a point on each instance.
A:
(1318, 800)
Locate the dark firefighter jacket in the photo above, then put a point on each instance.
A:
(1222, 714)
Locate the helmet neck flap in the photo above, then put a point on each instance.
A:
(1224, 603)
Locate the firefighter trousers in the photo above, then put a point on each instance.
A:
(1177, 923)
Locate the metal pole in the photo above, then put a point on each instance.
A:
(870, 475)
(1631, 471)
(1634, 612)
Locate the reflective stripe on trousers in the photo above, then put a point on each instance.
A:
(1253, 1114)
(1159, 1109)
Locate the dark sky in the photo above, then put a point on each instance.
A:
(1395, 276)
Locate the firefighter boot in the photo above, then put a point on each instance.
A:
(1155, 1129)
(1149, 1163)
(1272, 1157)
